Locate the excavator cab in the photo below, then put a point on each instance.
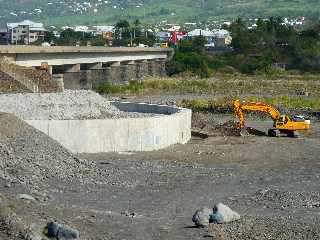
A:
(286, 125)
(283, 119)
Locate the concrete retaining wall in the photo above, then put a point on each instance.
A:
(125, 134)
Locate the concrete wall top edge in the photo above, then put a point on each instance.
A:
(148, 108)
(70, 49)
(164, 110)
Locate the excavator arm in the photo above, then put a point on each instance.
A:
(240, 108)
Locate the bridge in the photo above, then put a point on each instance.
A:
(84, 67)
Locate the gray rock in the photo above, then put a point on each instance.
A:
(26, 197)
(61, 232)
(202, 216)
(223, 214)
(33, 237)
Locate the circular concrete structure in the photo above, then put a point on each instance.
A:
(170, 125)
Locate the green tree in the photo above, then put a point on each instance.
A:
(71, 37)
(122, 29)
(49, 37)
(241, 41)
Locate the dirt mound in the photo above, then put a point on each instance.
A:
(229, 128)
(32, 158)
(207, 124)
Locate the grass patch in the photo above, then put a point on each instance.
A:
(224, 104)
(140, 87)
(292, 102)
(283, 91)
(218, 105)
(226, 84)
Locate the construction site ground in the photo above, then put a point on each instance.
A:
(273, 183)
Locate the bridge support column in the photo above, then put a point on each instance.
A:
(94, 66)
(162, 70)
(72, 68)
(50, 68)
(115, 73)
(74, 78)
(128, 71)
(100, 76)
(58, 78)
(142, 69)
(152, 65)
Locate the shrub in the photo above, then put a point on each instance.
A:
(107, 88)
(175, 67)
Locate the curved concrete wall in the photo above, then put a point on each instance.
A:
(124, 134)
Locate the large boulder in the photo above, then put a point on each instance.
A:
(61, 232)
(202, 216)
(223, 214)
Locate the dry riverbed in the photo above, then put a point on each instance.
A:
(272, 182)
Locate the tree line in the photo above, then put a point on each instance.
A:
(261, 49)
(125, 34)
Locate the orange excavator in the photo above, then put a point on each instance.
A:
(282, 123)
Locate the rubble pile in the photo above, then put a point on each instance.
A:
(214, 128)
(31, 158)
(80, 104)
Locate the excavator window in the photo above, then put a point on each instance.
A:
(281, 120)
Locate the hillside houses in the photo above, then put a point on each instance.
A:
(29, 32)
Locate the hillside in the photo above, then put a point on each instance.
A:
(108, 11)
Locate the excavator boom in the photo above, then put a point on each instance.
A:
(239, 109)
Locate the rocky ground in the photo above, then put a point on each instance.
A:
(273, 183)
(79, 104)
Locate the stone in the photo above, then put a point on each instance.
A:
(26, 197)
(202, 216)
(33, 237)
(61, 232)
(223, 214)
(52, 229)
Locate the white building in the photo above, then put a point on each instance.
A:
(222, 38)
(100, 30)
(25, 32)
(200, 32)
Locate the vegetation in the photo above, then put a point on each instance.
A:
(258, 50)
(189, 57)
(125, 34)
(288, 89)
(70, 37)
(224, 104)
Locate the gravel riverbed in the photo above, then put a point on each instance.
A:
(273, 183)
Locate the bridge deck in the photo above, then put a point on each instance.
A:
(23, 49)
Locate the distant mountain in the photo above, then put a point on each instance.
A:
(70, 12)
